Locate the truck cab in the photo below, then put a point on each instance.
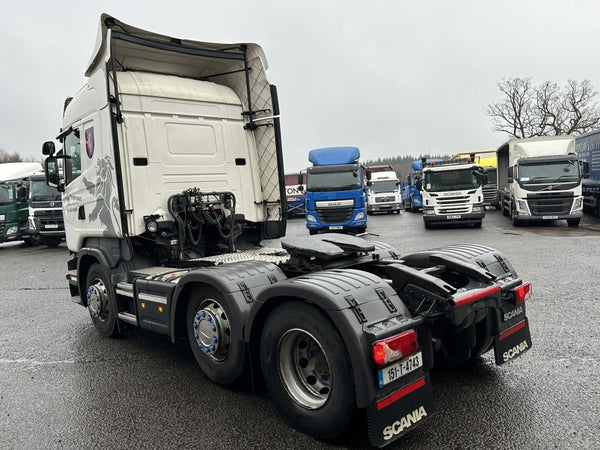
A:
(539, 179)
(383, 194)
(452, 193)
(335, 191)
(14, 207)
(45, 211)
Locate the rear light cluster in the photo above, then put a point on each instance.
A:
(522, 293)
(475, 295)
(396, 347)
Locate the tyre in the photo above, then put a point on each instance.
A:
(307, 370)
(477, 224)
(573, 222)
(513, 215)
(101, 302)
(215, 335)
(312, 232)
(51, 241)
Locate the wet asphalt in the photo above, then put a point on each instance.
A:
(64, 386)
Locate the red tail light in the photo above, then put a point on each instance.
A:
(522, 293)
(475, 295)
(395, 347)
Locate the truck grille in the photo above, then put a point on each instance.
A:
(335, 215)
(550, 205)
(490, 195)
(50, 218)
(384, 199)
(453, 205)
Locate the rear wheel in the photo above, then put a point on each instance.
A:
(213, 333)
(307, 370)
(101, 302)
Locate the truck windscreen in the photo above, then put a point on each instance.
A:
(40, 191)
(451, 180)
(5, 194)
(333, 181)
(549, 172)
(380, 187)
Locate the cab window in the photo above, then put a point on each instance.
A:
(72, 148)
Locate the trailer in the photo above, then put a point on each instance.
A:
(587, 147)
(180, 175)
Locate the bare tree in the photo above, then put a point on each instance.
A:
(526, 111)
(9, 157)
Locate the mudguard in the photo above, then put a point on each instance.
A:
(363, 308)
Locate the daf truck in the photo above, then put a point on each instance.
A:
(587, 147)
(452, 193)
(14, 206)
(383, 193)
(539, 179)
(180, 175)
(335, 191)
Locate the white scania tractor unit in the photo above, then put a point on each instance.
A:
(171, 171)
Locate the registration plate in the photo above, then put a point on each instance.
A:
(549, 217)
(399, 369)
(52, 226)
(336, 227)
(457, 216)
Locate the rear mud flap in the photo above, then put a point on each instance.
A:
(401, 411)
(512, 342)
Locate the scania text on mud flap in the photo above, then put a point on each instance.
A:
(171, 173)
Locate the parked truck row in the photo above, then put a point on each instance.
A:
(180, 175)
(30, 210)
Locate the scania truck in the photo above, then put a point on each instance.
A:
(539, 179)
(14, 207)
(335, 191)
(452, 193)
(180, 174)
(488, 160)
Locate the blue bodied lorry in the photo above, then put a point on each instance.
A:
(335, 191)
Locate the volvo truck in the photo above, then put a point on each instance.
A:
(45, 211)
(173, 173)
(539, 179)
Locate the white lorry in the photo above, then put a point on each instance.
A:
(172, 163)
(452, 193)
(383, 194)
(539, 179)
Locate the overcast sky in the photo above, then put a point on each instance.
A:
(392, 77)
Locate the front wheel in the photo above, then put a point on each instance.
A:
(573, 222)
(307, 370)
(101, 302)
(214, 335)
